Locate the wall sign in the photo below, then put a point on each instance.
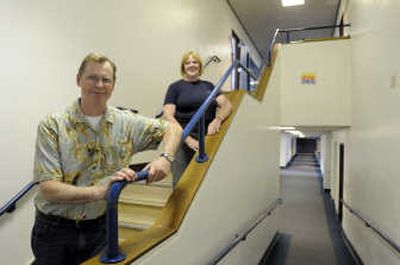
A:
(308, 78)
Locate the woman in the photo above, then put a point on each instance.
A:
(183, 99)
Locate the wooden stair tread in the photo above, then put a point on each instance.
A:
(138, 227)
(146, 195)
(137, 216)
(126, 233)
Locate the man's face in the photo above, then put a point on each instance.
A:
(96, 82)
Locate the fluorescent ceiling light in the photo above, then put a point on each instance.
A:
(281, 128)
(292, 2)
(296, 133)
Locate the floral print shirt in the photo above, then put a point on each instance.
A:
(68, 149)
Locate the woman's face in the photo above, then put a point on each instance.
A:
(192, 68)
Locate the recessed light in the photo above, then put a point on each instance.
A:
(292, 2)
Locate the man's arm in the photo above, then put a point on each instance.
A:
(159, 168)
(57, 191)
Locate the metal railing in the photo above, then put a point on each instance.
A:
(290, 30)
(212, 59)
(373, 227)
(11, 205)
(243, 235)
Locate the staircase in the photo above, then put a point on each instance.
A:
(140, 205)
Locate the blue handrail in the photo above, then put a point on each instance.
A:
(11, 204)
(112, 253)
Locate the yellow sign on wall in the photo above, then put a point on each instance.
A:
(308, 78)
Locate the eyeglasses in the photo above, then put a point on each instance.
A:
(95, 79)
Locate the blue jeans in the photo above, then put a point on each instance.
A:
(58, 241)
(183, 156)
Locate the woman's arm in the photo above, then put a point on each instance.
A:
(223, 111)
(169, 115)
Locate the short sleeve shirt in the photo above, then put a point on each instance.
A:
(187, 98)
(68, 149)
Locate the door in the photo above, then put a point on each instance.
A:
(341, 182)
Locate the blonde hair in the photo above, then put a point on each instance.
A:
(97, 58)
(185, 58)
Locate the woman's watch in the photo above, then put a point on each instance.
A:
(168, 157)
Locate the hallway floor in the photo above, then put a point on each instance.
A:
(309, 233)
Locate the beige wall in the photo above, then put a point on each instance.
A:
(373, 141)
(327, 102)
(42, 45)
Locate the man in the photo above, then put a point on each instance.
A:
(79, 153)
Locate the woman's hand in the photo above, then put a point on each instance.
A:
(192, 143)
(214, 126)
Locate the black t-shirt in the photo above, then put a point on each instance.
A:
(188, 97)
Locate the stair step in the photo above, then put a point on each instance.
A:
(145, 194)
(137, 216)
(125, 233)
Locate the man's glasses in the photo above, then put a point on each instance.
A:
(95, 79)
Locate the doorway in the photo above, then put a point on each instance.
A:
(306, 145)
(235, 43)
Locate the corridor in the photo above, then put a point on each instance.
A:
(309, 233)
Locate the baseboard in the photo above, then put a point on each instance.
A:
(329, 202)
(351, 249)
(289, 163)
(270, 248)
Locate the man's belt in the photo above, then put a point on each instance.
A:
(69, 222)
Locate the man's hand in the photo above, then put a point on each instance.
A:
(158, 169)
(192, 143)
(123, 174)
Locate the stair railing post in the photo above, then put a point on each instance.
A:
(202, 156)
(112, 252)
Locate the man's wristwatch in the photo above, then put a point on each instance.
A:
(168, 157)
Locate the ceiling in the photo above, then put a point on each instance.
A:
(261, 18)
